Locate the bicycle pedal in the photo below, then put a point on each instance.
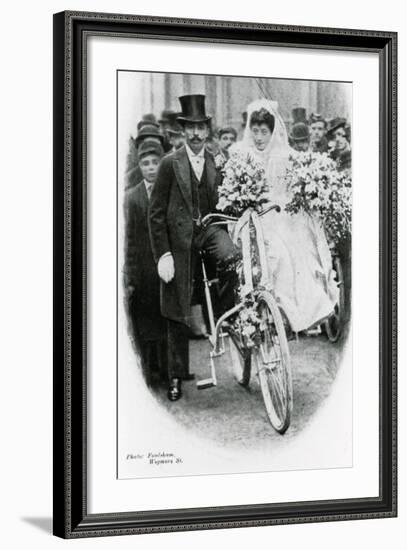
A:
(314, 331)
(215, 354)
(206, 383)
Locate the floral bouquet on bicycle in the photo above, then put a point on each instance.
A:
(244, 185)
(317, 187)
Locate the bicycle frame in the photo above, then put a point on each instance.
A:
(216, 336)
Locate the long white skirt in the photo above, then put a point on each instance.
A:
(300, 267)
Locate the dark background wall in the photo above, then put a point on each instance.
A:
(227, 97)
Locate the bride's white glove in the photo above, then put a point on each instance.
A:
(166, 269)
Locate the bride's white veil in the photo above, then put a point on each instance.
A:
(275, 155)
(278, 145)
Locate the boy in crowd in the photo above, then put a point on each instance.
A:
(141, 277)
(145, 131)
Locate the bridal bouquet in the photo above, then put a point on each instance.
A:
(244, 185)
(318, 188)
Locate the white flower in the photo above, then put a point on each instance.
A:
(248, 330)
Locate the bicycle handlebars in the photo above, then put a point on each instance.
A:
(224, 218)
(275, 207)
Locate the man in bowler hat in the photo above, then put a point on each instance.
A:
(175, 133)
(299, 137)
(185, 191)
(166, 121)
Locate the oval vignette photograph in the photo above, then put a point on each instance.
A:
(234, 225)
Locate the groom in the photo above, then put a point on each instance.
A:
(185, 192)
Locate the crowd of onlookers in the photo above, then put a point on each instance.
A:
(154, 139)
(322, 136)
(314, 133)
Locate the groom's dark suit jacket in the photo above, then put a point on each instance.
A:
(171, 226)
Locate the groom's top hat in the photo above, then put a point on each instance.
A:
(193, 109)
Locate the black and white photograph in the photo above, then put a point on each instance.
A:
(234, 274)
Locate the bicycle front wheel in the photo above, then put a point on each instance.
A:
(272, 359)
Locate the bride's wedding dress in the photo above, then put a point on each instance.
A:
(299, 258)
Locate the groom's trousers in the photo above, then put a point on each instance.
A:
(219, 250)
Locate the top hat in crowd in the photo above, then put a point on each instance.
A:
(335, 123)
(299, 114)
(149, 147)
(193, 109)
(149, 130)
(299, 131)
(316, 117)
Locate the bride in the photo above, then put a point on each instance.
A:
(300, 264)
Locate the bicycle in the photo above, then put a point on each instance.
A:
(268, 350)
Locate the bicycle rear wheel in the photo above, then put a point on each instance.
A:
(334, 324)
(272, 359)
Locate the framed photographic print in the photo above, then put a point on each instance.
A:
(224, 274)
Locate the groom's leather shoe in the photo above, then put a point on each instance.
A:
(174, 390)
